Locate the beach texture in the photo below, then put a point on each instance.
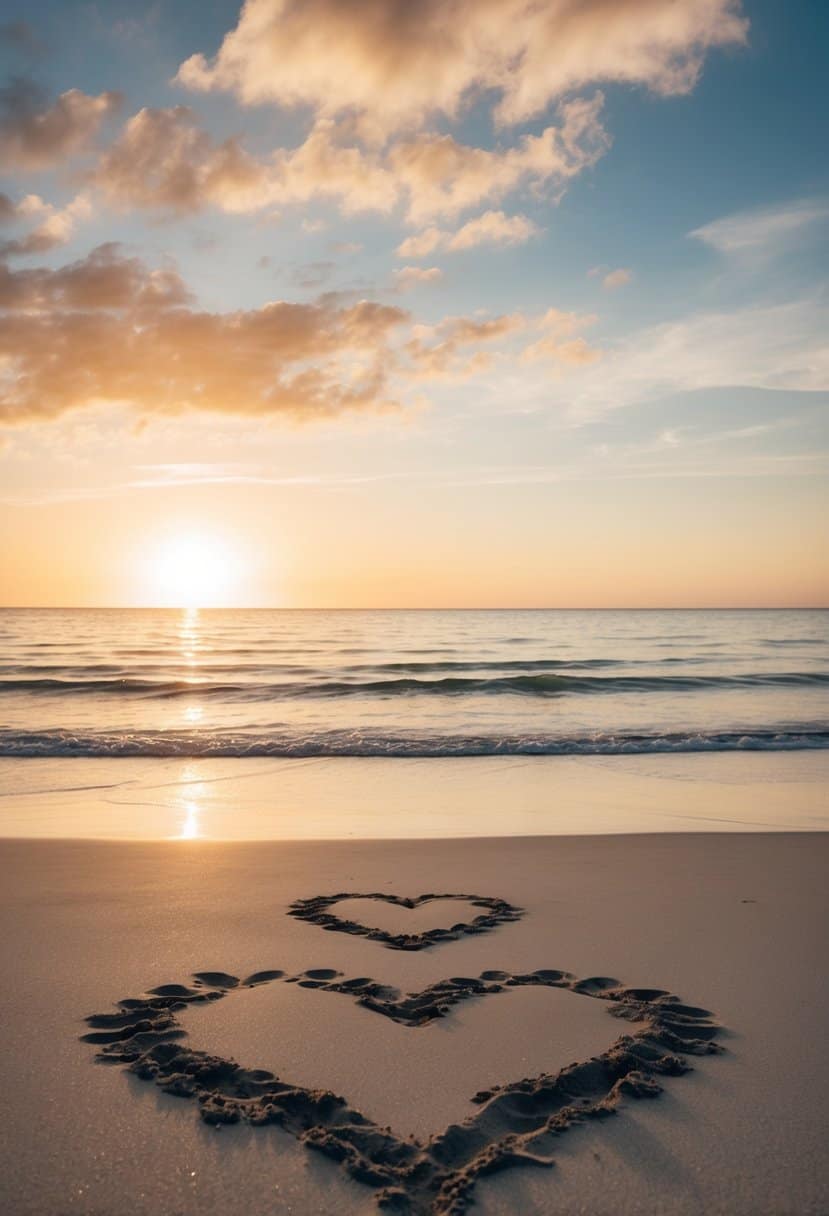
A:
(609, 965)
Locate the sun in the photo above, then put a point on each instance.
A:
(192, 569)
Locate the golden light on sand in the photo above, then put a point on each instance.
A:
(194, 570)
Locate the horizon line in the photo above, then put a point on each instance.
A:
(404, 608)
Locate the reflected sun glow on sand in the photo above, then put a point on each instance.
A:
(189, 807)
(190, 826)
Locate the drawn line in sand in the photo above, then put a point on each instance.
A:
(515, 1124)
(317, 910)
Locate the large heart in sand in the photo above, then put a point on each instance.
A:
(514, 1124)
(318, 910)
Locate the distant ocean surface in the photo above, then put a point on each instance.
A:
(315, 683)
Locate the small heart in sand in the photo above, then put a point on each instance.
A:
(481, 912)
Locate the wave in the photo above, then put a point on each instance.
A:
(119, 674)
(528, 684)
(794, 641)
(240, 744)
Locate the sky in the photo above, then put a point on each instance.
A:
(367, 303)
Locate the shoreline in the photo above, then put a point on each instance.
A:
(394, 799)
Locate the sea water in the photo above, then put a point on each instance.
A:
(231, 683)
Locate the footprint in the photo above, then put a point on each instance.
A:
(262, 977)
(216, 979)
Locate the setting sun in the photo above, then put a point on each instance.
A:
(194, 570)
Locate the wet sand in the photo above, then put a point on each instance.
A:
(395, 799)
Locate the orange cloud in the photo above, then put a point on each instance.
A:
(409, 277)
(108, 329)
(452, 349)
(163, 159)
(443, 177)
(102, 281)
(446, 350)
(390, 64)
(55, 226)
(560, 340)
(36, 135)
(491, 228)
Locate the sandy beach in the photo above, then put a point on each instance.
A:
(414, 613)
(729, 923)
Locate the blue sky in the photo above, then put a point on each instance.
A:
(641, 340)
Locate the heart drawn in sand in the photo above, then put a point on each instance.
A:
(318, 911)
(514, 1124)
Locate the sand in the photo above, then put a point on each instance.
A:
(630, 950)
(371, 799)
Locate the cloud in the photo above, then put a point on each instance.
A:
(452, 348)
(10, 211)
(491, 228)
(391, 64)
(409, 277)
(55, 225)
(447, 350)
(560, 340)
(37, 135)
(761, 232)
(617, 278)
(423, 243)
(443, 177)
(163, 159)
(779, 347)
(109, 330)
(104, 280)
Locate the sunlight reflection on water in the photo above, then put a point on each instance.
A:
(190, 636)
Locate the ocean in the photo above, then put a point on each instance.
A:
(235, 683)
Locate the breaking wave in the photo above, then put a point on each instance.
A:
(193, 744)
